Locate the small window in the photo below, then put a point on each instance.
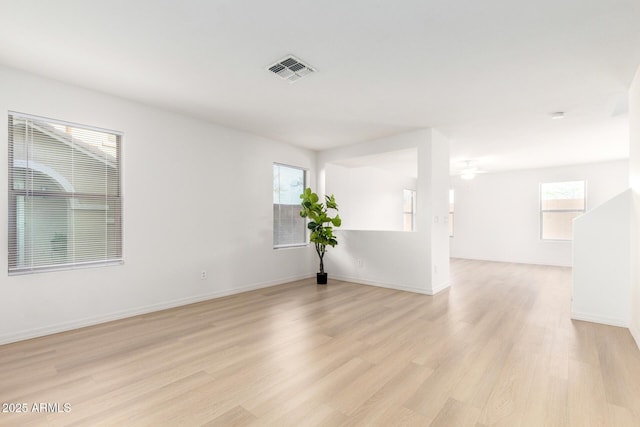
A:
(65, 206)
(560, 204)
(289, 228)
(451, 201)
(409, 210)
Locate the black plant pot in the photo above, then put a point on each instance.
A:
(321, 278)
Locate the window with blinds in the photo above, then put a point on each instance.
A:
(560, 204)
(65, 204)
(289, 228)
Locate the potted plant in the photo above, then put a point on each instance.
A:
(321, 225)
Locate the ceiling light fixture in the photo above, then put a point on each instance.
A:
(467, 175)
(468, 172)
(291, 69)
(557, 115)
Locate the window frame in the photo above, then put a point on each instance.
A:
(452, 200)
(543, 211)
(13, 194)
(305, 179)
(412, 212)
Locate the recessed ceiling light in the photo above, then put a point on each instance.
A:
(557, 115)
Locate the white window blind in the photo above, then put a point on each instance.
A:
(289, 228)
(65, 206)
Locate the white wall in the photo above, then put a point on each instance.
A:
(369, 198)
(390, 259)
(497, 215)
(416, 261)
(634, 180)
(197, 196)
(601, 267)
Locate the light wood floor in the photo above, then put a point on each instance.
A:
(498, 348)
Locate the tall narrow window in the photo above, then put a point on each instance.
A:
(560, 203)
(289, 229)
(409, 210)
(65, 206)
(451, 208)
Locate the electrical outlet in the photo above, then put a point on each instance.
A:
(359, 263)
(435, 269)
(203, 274)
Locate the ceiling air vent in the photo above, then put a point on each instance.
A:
(291, 68)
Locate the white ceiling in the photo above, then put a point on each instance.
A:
(485, 73)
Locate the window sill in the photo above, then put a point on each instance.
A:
(34, 270)
(299, 245)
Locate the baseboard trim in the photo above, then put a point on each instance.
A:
(441, 287)
(635, 333)
(90, 321)
(587, 317)
(513, 261)
(383, 285)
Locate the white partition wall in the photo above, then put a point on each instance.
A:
(417, 261)
(601, 270)
(606, 276)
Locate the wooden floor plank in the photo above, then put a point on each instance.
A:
(496, 349)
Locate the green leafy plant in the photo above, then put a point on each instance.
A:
(320, 222)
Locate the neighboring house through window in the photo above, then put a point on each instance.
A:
(560, 203)
(65, 206)
(289, 228)
(409, 210)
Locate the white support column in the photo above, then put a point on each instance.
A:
(433, 206)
